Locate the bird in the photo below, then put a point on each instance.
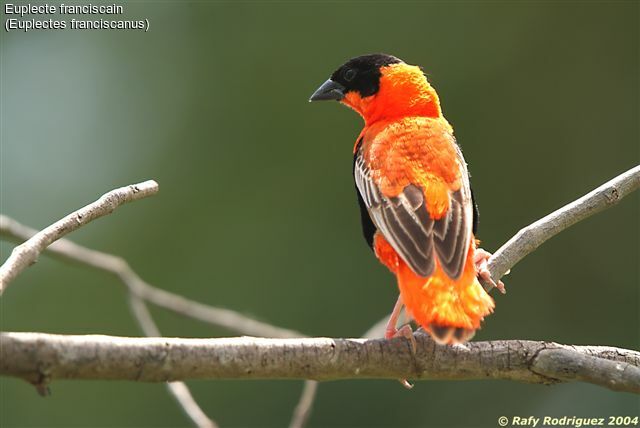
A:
(417, 209)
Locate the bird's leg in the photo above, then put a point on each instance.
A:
(405, 331)
(391, 330)
(480, 258)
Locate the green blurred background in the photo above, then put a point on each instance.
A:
(257, 209)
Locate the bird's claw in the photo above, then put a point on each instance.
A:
(406, 332)
(480, 258)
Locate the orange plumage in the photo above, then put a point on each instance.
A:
(413, 185)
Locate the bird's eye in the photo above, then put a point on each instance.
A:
(350, 74)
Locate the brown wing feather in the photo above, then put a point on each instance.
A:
(406, 224)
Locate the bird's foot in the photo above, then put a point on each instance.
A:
(480, 258)
(406, 332)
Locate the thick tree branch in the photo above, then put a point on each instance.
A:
(27, 253)
(534, 235)
(36, 357)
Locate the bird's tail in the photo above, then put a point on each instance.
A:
(450, 310)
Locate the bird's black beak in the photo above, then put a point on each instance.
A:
(329, 90)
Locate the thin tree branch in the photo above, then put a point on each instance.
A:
(302, 412)
(534, 235)
(38, 357)
(70, 251)
(27, 253)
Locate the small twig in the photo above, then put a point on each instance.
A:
(302, 412)
(27, 253)
(534, 235)
(34, 356)
(179, 390)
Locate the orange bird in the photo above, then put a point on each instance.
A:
(417, 209)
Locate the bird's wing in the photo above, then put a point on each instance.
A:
(406, 223)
